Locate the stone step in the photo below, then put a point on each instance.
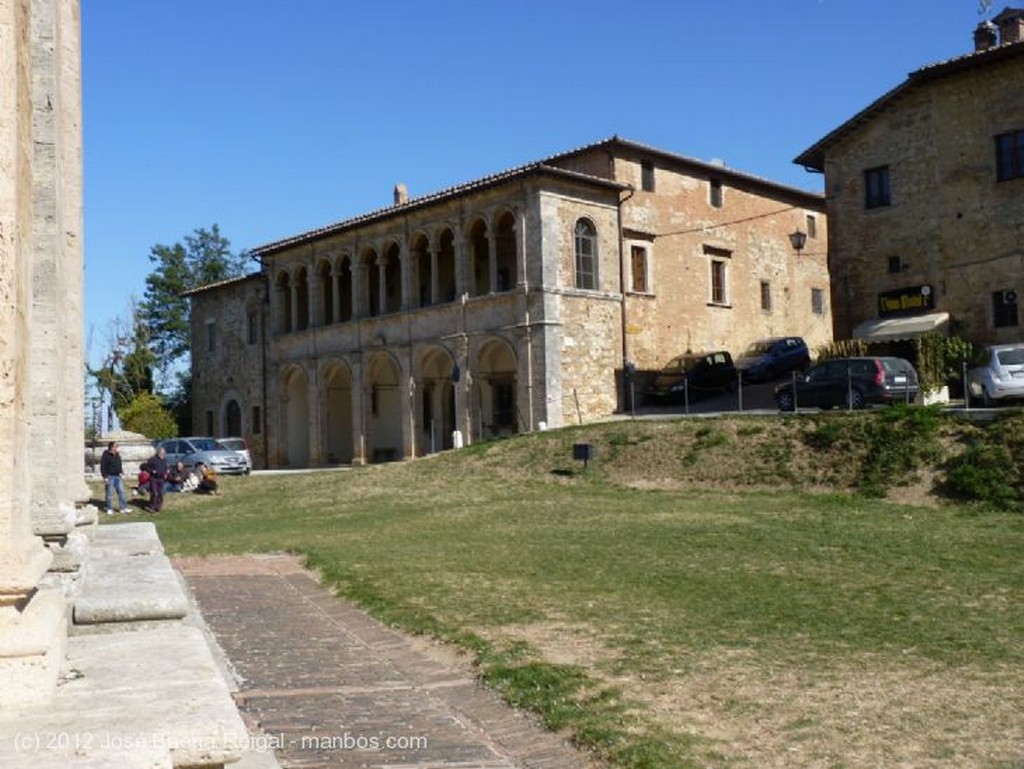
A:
(127, 578)
(151, 698)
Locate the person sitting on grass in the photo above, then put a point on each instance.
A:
(207, 480)
(176, 477)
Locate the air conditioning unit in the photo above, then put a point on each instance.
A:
(1010, 297)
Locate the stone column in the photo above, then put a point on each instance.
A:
(53, 512)
(461, 268)
(434, 286)
(32, 620)
(382, 286)
(405, 277)
(294, 288)
(335, 292)
(492, 264)
(359, 416)
(360, 289)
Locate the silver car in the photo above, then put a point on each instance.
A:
(240, 447)
(191, 451)
(1001, 375)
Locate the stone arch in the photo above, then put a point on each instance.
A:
(336, 399)
(301, 299)
(446, 281)
(325, 284)
(232, 415)
(346, 273)
(384, 408)
(391, 267)
(283, 290)
(495, 386)
(421, 268)
(478, 257)
(295, 417)
(435, 399)
(505, 251)
(369, 283)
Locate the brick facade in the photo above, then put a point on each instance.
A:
(503, 304)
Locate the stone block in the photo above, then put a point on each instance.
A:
(128, 589)
(32, 643)
(126, 539)
(149, 698)
(69, 552)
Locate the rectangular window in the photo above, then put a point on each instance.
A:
(766, 296)
(1004, 309)
(209, 423)
(715, 193)
(647, 176)
(254, 333)
(877, 192)
(1010, 156)
(638, 268)
(257, 420)
(895, 265)
(211, 336)
(812, 226)
(818, 301)
(718, 287)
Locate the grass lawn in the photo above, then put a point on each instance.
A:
(665, 626)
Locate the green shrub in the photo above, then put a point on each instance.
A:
(984, 473)
(145, 414)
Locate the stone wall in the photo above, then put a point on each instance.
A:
(950, 224)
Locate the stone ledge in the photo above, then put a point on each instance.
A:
(129, 588)
(139, 538)
(149, 698)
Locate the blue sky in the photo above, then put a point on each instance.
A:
(270, 118)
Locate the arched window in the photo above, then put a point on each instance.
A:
(586, 255)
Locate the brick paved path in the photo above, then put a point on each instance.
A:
(334, 688)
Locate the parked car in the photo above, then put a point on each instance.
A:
(693, 375)
(240, 447)
(851, 383)
(192, 450)
(767, 359)
(1001, 375)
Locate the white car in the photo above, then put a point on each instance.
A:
(1001, 377)
(240, 447)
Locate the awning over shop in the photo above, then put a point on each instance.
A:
(907, 327)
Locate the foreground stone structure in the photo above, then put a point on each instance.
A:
(41, 387)
(501, 305)
(134, 683)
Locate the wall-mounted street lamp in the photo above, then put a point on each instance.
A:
(798, 240)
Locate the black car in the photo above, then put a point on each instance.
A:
(693, 375)
(767, 359)
(851, 383)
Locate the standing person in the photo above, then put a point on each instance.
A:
(157, 476)
(111, 470)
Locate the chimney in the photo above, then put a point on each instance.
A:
(1011, 25)
(401, 194)
(986, 36)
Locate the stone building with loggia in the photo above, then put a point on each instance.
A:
(925, 199)
(502, 305)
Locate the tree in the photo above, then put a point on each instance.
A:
(127, 369)
(146, 415)
(205, 258)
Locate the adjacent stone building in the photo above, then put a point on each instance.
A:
(925, 199)
(503, 305)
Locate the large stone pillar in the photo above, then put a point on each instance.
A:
(32, 620)
(53, 509)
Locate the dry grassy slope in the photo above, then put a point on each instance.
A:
(818, 452)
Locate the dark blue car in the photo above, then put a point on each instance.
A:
(768, 359)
